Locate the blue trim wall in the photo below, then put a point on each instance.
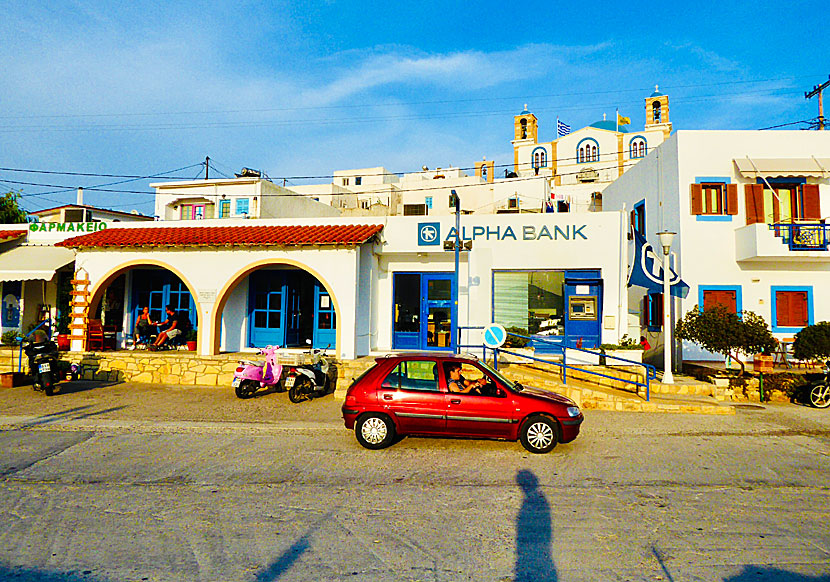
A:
(533, 156)
(810, 320)
(713, 217)
(583, 140)
(629, 147)
(736, 288)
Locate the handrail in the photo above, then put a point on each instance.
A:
(802, 236)
(650, 371)
(20, 353)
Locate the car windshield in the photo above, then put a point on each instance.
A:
(497, 374)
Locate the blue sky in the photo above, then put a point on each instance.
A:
(304, 89)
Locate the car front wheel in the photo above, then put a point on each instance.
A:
(539, 434)
(374, 431)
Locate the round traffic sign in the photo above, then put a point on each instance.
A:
(494, 336)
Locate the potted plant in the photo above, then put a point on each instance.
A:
(190, 339)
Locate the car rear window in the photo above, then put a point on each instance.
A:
(413, 375)
(363, 375)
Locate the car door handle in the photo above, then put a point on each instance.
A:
(387, 397)
(455, 401)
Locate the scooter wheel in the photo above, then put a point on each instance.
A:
(295, 396)
(49, 389)
(246, 389)
(820, 396)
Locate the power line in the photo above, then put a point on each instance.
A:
(428, 102)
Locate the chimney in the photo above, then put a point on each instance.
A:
(80, 199)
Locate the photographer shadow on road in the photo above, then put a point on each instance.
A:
(533, 533)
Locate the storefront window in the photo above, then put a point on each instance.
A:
(530, 300)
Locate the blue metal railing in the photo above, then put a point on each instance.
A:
(46, 322)
(650, 372)
(802, 236)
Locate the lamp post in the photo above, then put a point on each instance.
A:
(456, 202)
(666, 238)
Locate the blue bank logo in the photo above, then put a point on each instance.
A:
(429, 233)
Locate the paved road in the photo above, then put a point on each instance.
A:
(125, 483)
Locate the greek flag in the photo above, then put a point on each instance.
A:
(647, 270)
(562, 128)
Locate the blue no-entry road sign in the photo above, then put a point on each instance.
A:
(494, 336)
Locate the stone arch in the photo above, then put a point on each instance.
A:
(233, 281)
(98, 288)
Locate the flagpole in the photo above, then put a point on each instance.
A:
(618, 119)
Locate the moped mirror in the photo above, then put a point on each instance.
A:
(308, 342)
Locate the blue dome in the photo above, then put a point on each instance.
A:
(656, 94)
(609, 125)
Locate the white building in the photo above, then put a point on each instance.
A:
(581, 164)
(749, 210)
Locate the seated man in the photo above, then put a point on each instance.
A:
(176, 322)
(457, 383)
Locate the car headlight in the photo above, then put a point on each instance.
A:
(573, 411)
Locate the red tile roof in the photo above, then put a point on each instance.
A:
(203, 236)
(11, 234)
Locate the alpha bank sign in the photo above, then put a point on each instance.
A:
(429, 233)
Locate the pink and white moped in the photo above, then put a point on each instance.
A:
(251, 376)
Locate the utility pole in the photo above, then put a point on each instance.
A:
(817, 90)
(207, 166)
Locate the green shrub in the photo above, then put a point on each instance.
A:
(9, 338)
(513, 341)
(813, 342)
(786, 382)
(626, 343)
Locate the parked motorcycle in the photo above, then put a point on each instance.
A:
(251, 376)
(45, 367)
(305, 382)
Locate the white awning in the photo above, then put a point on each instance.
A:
(783, 167)
(25, 263)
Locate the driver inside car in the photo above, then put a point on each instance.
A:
(457, 383)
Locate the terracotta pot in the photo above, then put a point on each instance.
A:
(191, 346)
(63, 342)
(763, 363)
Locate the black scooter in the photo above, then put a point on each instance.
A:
(43, 365)
(307, 382)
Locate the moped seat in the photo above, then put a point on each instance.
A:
(250, 363)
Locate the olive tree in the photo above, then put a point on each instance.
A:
(813, 342)
(724, 332)
(10, 211)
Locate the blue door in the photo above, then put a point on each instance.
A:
(294, 312)
(266, 309)
(325, 318)
(583, 312)
(437, 311)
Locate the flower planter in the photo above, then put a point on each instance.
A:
(633, 355)
(11, 379)
(191, 346)
(763, 363)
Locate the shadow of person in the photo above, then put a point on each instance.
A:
(533, 533)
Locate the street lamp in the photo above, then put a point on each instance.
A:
(666, 237)
(455, 201)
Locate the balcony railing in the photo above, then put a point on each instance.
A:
(802, 236)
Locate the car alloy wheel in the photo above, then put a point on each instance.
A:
(538, 434)
(375, 431)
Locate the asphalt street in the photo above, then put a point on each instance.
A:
(128, 482)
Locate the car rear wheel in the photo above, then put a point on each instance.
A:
(539, 434)
(374, 431)
(820, 396)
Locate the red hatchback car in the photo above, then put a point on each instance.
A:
(451, 395)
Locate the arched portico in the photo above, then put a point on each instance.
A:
(100, 286)
(225, 293)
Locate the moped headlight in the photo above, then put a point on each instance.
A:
(573, 411)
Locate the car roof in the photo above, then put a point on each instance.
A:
(426, 355)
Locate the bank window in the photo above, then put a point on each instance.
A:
(714, 199)
(792, 308)
(242, 206)
(419, 375)
(224, 208)
(530, 301)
